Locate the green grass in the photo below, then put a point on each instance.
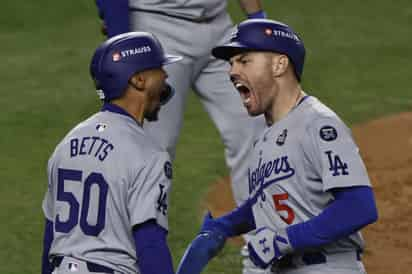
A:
(358, 62)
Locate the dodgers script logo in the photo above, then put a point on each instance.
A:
(267, 173)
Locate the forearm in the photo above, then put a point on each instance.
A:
(115, 14)
(250, 6)
(239, 221)
(151, 249)
(351, 210)
(212, 237)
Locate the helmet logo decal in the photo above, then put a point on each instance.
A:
(285, 34)
(268, 32)
(135, 51)
(116, 56)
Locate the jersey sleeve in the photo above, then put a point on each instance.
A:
(333, 155)
(48, 201)
(148, 194)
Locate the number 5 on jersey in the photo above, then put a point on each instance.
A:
(285, 212)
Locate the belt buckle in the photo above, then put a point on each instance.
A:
(313, 258)
(284, 262)
(300, 259)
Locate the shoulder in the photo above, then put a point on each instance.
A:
(135, 145)
(76, 130)
(322, 119)
(315, 109)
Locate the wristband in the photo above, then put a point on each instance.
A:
(257, 15)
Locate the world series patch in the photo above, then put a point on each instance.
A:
(282, 137)
(328, 133)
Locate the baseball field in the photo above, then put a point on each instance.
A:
(359, 62)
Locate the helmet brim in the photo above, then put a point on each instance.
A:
(227, 51)
(170, 58)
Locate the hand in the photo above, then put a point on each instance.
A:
(203, 248)
(267, 245)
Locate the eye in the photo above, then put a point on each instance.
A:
(244, 61)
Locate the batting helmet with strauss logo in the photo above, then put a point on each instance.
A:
(265, 35)
(116, 60)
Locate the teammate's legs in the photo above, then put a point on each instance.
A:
(166, 130)
(237, 130)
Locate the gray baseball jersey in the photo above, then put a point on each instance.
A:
(105, 177)
(297, 161)
(190, 9)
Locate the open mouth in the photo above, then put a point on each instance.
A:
(244, 92)
(166, 93)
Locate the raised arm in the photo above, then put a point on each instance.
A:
(252, 8)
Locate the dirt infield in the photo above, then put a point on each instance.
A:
(386, 147)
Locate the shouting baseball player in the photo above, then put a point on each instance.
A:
(309, 191)
(106, 205)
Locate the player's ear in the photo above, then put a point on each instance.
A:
(280, 63)
(139, 80)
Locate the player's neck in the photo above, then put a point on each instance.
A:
(134, 107)
(286, 99)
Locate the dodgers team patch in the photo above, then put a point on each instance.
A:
(168, 170)
(328, 133)
(162, 201)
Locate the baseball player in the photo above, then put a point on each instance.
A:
(106, 205)
(309, 192)
(191, 29)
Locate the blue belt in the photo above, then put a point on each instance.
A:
(194, 20)
(308, 258)
(92, 267)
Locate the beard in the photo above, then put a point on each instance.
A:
(152, 115)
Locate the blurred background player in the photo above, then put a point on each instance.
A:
(191, 29)
(107, 199)
(309, 191)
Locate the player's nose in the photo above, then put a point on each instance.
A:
(234, 71)
(234, 75)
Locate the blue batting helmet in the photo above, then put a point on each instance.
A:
(265, 35)
(116, 60)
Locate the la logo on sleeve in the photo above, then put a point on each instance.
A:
(336, 165)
